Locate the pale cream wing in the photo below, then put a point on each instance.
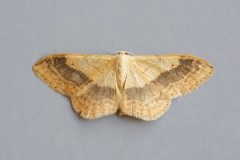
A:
(141, 98)
(176, 74)
(89, 80)
(153, 81)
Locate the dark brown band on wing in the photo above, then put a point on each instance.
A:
(96, 93)
(164, 79)
(140, 93)
(100, 93)
(175, 74)
(69, 73)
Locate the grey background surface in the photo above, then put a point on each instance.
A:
(37, 123)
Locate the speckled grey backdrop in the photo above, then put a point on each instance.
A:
(37, 123)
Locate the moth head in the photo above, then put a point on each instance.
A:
(123, 53)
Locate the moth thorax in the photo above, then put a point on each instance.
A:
(123, 64)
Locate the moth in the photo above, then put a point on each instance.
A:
(140, 86)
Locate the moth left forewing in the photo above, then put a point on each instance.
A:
(67, 73)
